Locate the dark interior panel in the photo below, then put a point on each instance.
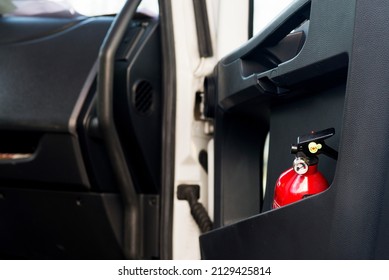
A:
(62, 199)
(24, 29)
(59, 225)
(47, 67)
(49, 166)
(42, 78)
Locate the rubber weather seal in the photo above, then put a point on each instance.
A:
(251, 19)
(132, 224)
(168, 128)
(202, 26)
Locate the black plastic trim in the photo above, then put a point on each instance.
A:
(110, 134)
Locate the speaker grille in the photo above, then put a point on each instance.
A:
(143, 97)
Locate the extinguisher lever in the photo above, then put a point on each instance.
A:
(313, 144)
(316, 136)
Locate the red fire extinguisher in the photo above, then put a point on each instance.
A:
(304, 178)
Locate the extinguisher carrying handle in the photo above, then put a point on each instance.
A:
(316, 138)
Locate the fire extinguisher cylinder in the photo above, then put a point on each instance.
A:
(304, 179)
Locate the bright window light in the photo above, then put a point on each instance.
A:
(97, 7)
(69, 8)
(266, 11)
(104, 7)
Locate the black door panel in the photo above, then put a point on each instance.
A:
(338, 79)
